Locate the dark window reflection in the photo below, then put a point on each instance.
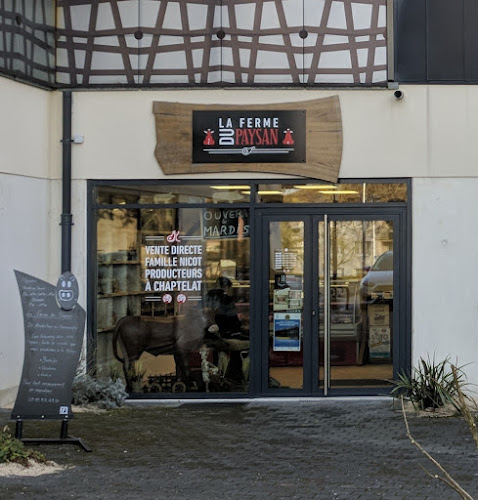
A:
(173, 298)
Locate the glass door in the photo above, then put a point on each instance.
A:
(329, 315)
(356, 300)
(288, 306)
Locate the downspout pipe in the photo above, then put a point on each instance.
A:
(66, 216)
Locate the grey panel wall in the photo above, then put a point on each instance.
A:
(436, 41)
(410, 40)
(471, 40)
(445, 40)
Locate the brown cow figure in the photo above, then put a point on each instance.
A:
(179, 335)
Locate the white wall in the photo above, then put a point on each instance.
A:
(445, 271)
(31, 242)
(78, 238)
(29, 230)
(25, 129)
(119, 130)
(430, 132)
(24, 246)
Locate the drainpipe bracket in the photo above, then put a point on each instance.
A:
(67, 220)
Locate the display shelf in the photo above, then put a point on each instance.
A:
(119, 287)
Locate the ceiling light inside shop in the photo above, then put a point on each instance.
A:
(315, 186)
(263, 192)
(344, 191)
(229, 196)
(231, 187)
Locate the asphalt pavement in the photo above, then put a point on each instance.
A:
(327, 449)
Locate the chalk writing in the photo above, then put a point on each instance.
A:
(53, 340)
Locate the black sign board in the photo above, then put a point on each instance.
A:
(53, 341)
(259, 136)
(225, 223)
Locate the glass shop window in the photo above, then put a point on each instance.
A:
(333, 193)
(173, 298)
(171, 194)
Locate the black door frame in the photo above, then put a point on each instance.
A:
(401, 318)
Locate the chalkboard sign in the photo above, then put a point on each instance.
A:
(53, 341)
(225, 223)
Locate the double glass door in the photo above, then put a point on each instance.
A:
(329, 302)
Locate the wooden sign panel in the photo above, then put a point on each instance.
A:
(200, 138)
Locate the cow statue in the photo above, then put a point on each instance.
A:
(179, 335)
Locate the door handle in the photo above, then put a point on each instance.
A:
(326, 306)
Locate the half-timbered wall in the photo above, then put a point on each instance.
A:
(27, 40)
(137, 43)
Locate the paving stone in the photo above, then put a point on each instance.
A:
(331, 449)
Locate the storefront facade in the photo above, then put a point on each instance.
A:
(243, 280)
(251, 289)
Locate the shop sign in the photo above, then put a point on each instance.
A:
(302, 138)
(225, 223)
(54, 325)
(249, 136)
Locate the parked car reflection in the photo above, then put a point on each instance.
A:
(378, 282)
